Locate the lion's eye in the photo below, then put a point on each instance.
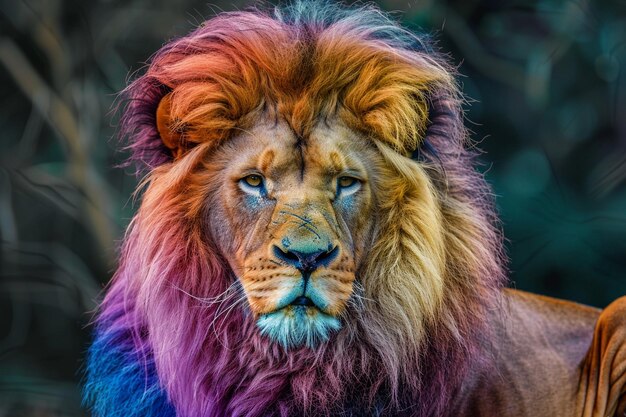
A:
(347, 186)
(253, 180)
(253, 184)
(345, 182)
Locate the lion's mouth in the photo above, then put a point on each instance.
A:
(303, 301)
(300, 322)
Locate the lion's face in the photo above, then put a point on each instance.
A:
(294, 216)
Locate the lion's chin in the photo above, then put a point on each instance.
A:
(295, 326)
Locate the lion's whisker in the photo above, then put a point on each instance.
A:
(227, 312)
(358, 293)
(219, 312)
(212, 300)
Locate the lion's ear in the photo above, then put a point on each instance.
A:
(170, 134)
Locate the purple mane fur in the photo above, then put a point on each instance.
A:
(172, 340)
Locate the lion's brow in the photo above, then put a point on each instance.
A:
(300, 161)
(336, 163)
(266, 159)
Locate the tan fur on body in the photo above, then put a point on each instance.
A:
(552, 358)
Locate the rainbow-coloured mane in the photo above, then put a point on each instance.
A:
(172, 339)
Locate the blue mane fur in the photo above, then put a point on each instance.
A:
(122, 382)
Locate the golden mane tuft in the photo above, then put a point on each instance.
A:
(251, 64)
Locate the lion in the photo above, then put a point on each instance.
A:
(313, 240)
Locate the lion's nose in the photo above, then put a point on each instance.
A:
(306, 261)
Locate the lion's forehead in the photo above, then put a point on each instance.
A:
(277, 152)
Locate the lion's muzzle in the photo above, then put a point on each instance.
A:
(299, 284)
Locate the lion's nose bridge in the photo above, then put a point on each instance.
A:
(303, 231)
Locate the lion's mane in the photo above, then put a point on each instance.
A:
(433, 270)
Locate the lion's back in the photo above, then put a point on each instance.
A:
(538, 350)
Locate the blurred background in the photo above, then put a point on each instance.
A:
(547, 86)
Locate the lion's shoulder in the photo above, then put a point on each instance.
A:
(551, 358)
(550, 313)
(536, 349)
(534, 328)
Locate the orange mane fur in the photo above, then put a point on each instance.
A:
(252, 64)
